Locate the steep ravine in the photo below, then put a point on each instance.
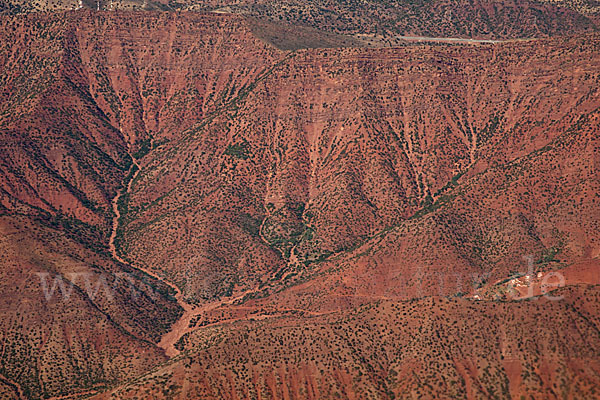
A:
(169, 339)
(182, 325)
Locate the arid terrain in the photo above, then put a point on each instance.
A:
(300, 200)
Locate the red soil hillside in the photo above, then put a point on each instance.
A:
(68, 121)
(380, 172)
(327, 218)
(87, 338)
(333, 147)
(433, 348)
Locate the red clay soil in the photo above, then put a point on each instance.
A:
(314, 223)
